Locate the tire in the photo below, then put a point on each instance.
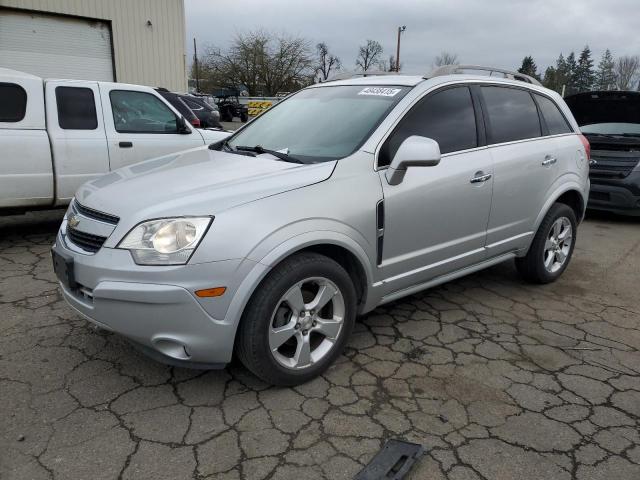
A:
(244, 117)
(543, 264)
(269, 317)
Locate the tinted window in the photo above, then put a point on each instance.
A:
(193, 105)
(13, 102)
(76, 108)
(512, 114)
(446, 116)
(140, 112)
(556, 123)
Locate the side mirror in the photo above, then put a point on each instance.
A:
(183, 128)
(415, 151)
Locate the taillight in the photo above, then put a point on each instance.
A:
(587, 146)
(195, 122)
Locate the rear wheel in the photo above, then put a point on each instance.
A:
(552, 246)
(298, 320)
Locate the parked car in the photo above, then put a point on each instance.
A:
(345, 196)
(209, 115)
(178, 103)
(57, 134)
(611, 122)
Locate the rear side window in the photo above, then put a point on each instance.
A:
(512, 114)
(446, 116)
(76, 108)
(13, 102)
(553, 117)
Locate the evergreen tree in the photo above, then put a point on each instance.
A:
(584, 75)
(570, 71)
(606, 75)
(529, 67)
(550, 79)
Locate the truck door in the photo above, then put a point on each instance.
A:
(76, 130)
(141, 125)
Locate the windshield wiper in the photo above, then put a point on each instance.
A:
(259, 149)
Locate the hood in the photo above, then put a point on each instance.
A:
(590, 108)
(195, 182)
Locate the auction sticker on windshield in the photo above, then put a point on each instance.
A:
(380, 91)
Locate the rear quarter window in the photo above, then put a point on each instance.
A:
(512, 114)
(76, 108)
(553, 117)
(13, 102)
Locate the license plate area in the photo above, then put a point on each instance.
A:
(63, 268)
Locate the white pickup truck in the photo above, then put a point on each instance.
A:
(57, 134)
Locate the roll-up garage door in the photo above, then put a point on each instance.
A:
(55, 46)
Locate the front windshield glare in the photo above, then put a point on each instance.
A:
(324, 123)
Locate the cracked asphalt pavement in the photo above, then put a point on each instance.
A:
(496, 378)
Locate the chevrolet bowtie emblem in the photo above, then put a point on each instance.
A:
(73, 221)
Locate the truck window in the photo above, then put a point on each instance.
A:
(13, 102)
(76, 108)
(141, 112)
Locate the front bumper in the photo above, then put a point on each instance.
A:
(616, 195)
(155, 307)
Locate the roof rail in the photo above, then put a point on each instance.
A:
(454, 69)
(348, 75)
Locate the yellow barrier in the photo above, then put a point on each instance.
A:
(256, 107)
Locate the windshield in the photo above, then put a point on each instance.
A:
(321, 124)
(612, 128)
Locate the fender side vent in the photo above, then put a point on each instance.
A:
(380, 230)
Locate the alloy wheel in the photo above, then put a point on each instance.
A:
(306, 323)
(558, 244)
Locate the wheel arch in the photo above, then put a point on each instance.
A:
(570, 194)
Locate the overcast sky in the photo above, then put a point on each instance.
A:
(491, 32)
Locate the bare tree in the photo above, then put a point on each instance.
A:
(389, 65)
(369, 55)
(326, 62)
(446, 58)
(264, 62)
(626, 70)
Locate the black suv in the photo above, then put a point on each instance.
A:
(611, 122)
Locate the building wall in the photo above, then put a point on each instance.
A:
(147, 55)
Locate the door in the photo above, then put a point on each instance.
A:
(55, 46)
(525, 166)
(140, 125)
(76, 130)
(435, 220)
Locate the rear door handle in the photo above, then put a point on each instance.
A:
(125, 144)
(549, 160)
(480, 177)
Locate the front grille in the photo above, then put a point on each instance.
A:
(612, 164)
(95, 214)
(86, 241)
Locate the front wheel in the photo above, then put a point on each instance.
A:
(552, 246)
(298, 320)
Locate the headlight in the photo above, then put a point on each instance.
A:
(166, 241)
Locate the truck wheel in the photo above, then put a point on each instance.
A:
(552, 246)
(244, 117)
(298, 321)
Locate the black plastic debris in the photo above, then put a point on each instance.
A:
(393, 462)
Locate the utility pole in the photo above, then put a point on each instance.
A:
(400, 30)
(195, 64)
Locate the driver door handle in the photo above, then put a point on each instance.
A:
(480, 177)
(125, 144)
(549, 160)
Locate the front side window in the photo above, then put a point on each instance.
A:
(323, 123)
(553, 117)
(76, 108)
(13, 102)
(512, 114)
(141, 112)
(446, 116)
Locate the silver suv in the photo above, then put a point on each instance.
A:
(347, 195)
